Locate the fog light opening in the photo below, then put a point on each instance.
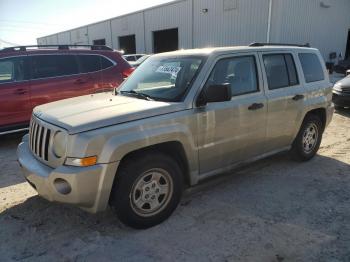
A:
(62, 186)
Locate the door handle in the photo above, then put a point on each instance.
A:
(80, 81)
(298, 97)
(20, 91)
(256, 106)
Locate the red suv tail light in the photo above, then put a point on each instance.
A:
(127, 72)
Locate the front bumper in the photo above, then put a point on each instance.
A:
(90, 187)
(341, 99)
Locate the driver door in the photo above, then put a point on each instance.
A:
(233, 131)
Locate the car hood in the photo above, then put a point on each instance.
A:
(345, 82)
(89, 112)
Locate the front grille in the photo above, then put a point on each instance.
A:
(39, 139)
(346, 89)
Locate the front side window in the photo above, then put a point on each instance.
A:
(44, 66)
(13, 69)
(7, 70)
(163, 78)
(239, 72)
(311, 67)
(280, 71)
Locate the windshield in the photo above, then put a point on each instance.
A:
(163, 78)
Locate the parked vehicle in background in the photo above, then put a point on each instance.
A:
(35, 75)
(341, 93)
(342, 66)
(139, 61)
(180, 118)
(133, 57)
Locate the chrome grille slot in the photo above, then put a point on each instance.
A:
(39, 139)
(346, 89)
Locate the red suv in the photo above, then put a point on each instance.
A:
(35, 75)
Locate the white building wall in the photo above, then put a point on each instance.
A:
(176, 15)
(52, 39)
(300, 21)
(226, 22)
(64, 38)
(230, 22)
(79, 36)
(100, 31)
(129, 25)
(41, 41)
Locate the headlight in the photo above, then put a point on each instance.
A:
(60, 144)
(337, 87)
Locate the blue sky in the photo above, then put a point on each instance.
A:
(22, 21)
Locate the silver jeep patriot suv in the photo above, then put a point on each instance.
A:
(181, 117)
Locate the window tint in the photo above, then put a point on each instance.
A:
(105, 63)
(89, 63)
(240, 72)
(44, 66)
(276, 71)
(13, 69)
(311, 67)
(280, 71)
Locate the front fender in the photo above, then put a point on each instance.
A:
(118, 146)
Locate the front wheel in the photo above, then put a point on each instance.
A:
(147, 190)
(308, 140)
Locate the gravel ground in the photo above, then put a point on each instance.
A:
(275, 210)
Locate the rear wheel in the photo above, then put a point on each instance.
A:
(308, 140)
(147, 190)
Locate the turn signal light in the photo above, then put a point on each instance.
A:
(86, 161)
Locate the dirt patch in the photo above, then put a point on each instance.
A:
(275, 210)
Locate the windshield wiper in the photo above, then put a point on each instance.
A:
(137, 94)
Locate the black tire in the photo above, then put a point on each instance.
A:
(298, 151)
(129, 173)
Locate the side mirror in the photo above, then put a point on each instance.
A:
(214, 93)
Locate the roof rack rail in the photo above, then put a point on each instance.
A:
(59, 47)
(278, 44)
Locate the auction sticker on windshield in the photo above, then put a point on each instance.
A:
(168, 69)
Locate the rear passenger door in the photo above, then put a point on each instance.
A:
(286, 97)
(55, 77)
(233, 131)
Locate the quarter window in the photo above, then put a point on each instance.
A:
(44, 66)
(311, 67)
(239, 72)
(105, 63)
(280, 71)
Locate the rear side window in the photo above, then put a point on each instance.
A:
(280, 71)
(13, 69)
(89, 63)
(93, 63)
(44, 66)
(239, 72)
(311, 67)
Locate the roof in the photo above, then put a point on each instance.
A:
(210, 50)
